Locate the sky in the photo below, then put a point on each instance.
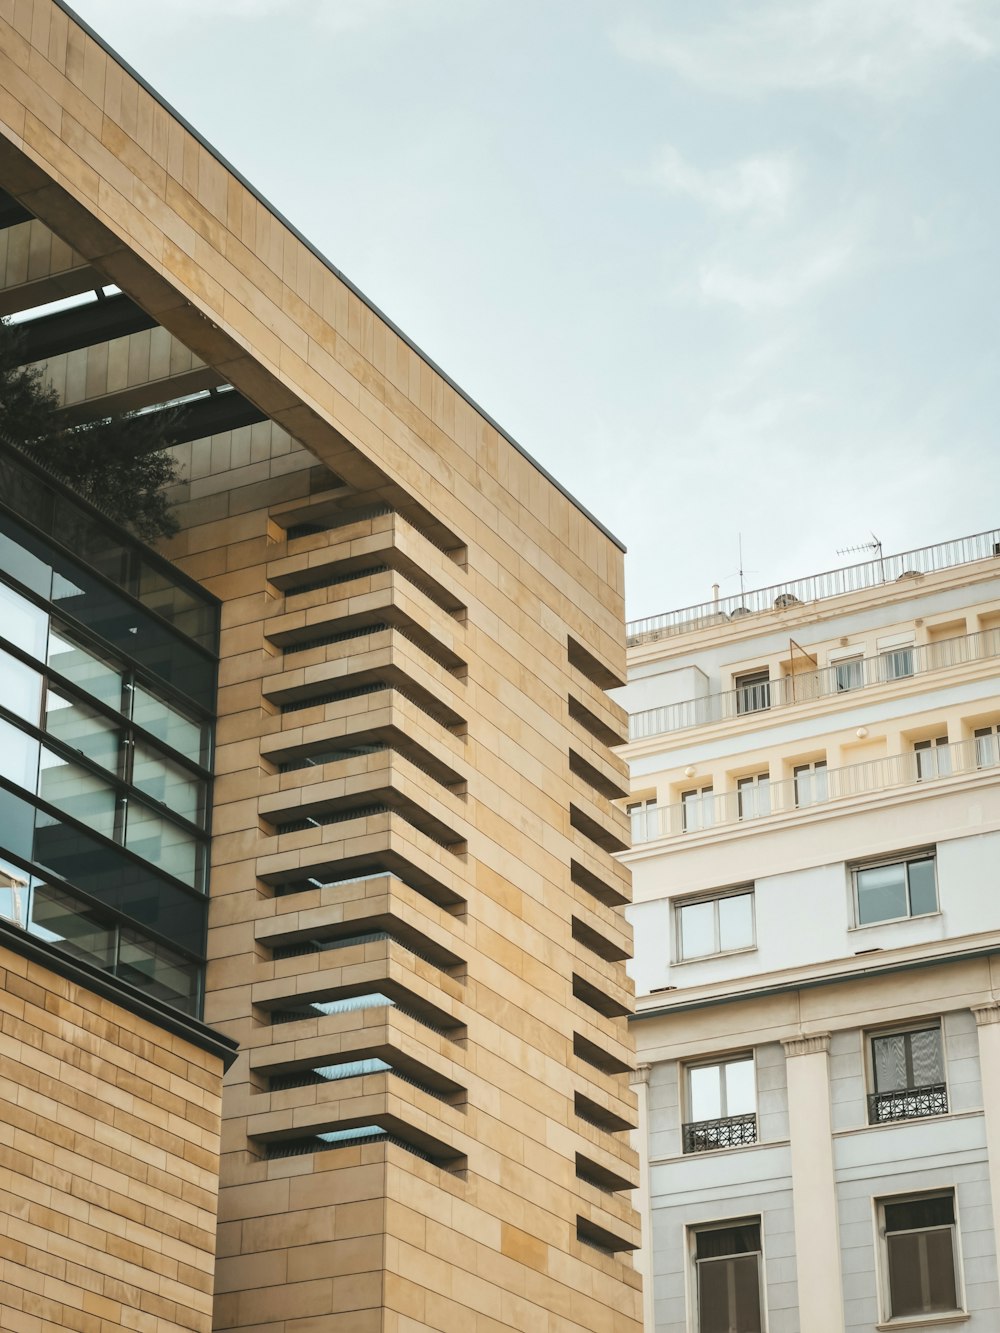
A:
(727, 268)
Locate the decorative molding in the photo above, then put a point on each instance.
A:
(815, 1043)
(640, 1075)
(986, 1013)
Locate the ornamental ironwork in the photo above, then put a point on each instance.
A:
(733, 1131)
(907, 1104)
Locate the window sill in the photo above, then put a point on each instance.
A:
(708, 957)
(894, 921)
(925, 1321)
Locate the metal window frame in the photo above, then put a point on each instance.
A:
(900, 858)
(882, 1250)
(715, 897)
(691, 1267)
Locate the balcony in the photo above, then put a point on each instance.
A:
(844, 677)
(757, 802)
(733, 1131)
(907, 1104)
(817, 587)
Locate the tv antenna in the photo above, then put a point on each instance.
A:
(874, 545)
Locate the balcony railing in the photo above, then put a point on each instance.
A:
(817, 587)
(760, 800)
(840, 678)
(731, 1132)
(907, 1104)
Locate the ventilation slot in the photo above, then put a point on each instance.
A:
(343, 518)
(590, 666)
(324, 640)
(595, 778)
(437, 834)
(443, 961)
(597, 943)
(598, 1000)
(603, 1179)
(306, 1078)
(333, 580)
(358, 1137)
(604, 893)
(599, 1238)
(592, 723)
(321, 757)
(595, 1114)
(332, 697)
(605, 838)
(598, 1058)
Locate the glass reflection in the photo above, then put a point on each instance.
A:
(79, 794)
(91, 673)
(83, 729)
(18, 757)
(15, 891)
(167, 846)
(168, 724)
(168, 783)
(63, 920)
(23, 623)
(158, 971)
(20, 688)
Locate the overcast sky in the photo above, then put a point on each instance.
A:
(722, 266)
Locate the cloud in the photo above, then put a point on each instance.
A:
(759, 186)
(882, 47)
(783, 284)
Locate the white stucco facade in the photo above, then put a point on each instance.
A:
(816, 821)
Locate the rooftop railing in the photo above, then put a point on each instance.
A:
(702, 810)
(817, 587)
(853, 673)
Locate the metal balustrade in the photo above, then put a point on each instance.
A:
(817, 587)
(701, 811)
(907, 1104)
(731, 1132)
(840, 678)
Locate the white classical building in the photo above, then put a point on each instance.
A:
(816, 828)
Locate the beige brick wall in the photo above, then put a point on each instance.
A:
(109, 1142)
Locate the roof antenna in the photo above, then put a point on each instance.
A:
(873, 545)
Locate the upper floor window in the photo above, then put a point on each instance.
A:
(849, 673)
(753, 691)
(891, 890)
(697, 808)
(920, 1269)
(644, 818)
(987, 746)
(811, 785)
(727, 1263)
(897, 663)
(721, 924)
(721, 1103)
(753, 796)
(933, 758)
(907, 1074)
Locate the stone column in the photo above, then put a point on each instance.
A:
(643, 1257)
(988, 1032)
(817, 1235)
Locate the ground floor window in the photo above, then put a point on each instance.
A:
(727, 1260)
(920, 1259)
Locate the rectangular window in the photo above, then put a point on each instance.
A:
(849, 673)
(697, 809)
(709, 926)
(919, 1255)
(933, 758)
(727, 1261)
(645, 820)
(753, 691)
(897, 663)
(987, 746)
(907, 1075)
(20, 688)
(891, 890)
(753, 796)
(722, 1105)
(811, 785)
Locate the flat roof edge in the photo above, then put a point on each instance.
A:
(304, 240)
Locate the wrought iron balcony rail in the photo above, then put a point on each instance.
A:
(733, 1131)
(907, 1104)
(702, 811)
(840, 678)
(817, 587)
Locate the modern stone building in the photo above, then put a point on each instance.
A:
(396, 808)
(816, 819)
